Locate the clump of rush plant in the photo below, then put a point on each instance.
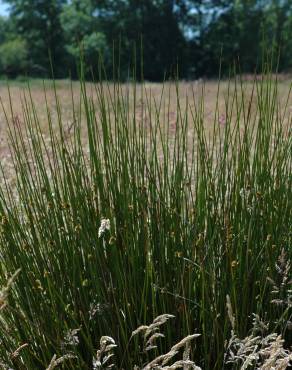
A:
(146, 188)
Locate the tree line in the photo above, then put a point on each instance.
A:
(155, 38)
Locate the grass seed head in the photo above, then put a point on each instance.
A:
(55, 362)
(104, 226)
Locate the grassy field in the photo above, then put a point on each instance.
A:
(150, 222)
(155, 92)
(214, 102)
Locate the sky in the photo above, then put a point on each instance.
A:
(3, 8)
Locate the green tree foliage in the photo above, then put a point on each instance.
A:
(159, 35)
(82, 32)
(236, 32)
(154, 24)
(7, 29)
(13, 57)
(278, 25)
(38, 22)
(3, 28)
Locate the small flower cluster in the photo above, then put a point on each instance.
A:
(104, 225)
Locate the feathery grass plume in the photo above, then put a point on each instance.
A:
(140, 329)
(5, 290)
(151, 333)
(104, 355)
(230, 312)
(71, 338)
(282, 285)
(265, 352)
(55, 362)
(243, 352)
(258, 325)
(16, 353)
(162, 361)
(274, 356)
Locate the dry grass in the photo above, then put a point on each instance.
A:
(189, 93)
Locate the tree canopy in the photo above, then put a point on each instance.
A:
(158, 36)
